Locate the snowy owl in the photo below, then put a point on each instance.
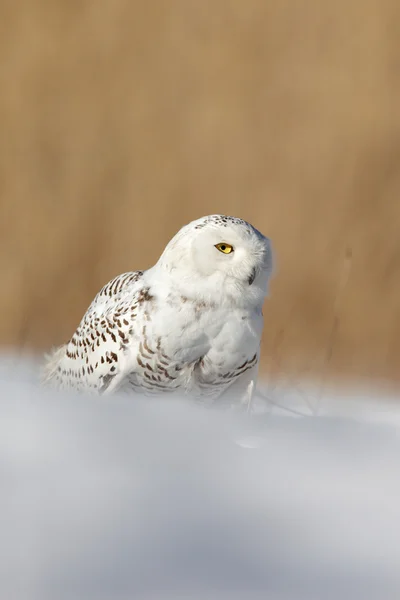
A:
(191, 324)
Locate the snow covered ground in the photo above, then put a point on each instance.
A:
(113, 499)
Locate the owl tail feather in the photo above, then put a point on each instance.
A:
(51, 362)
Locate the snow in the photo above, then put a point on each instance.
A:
(112, 499)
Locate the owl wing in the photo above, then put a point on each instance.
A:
(97, 357)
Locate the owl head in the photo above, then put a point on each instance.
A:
(219, 258)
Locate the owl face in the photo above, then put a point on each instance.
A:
(233, 249)
(223, 254)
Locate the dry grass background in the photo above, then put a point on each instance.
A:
(122, 120)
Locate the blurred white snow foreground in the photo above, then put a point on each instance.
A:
(109, 498)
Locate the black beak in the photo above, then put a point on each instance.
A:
(252, 276)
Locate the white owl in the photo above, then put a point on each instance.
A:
(191, 324)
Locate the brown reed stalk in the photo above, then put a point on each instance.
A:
(343, 281)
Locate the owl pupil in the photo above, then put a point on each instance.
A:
(223, 247)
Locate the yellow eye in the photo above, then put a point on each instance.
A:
(225, 248)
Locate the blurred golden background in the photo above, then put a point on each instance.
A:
(122, 120)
